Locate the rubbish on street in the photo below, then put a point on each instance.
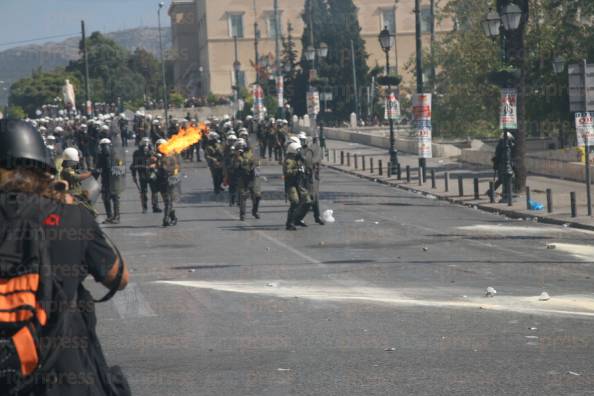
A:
(544, 296)
(390, 349)
(551, 246)
(533, 205)
(533, 328)
(272, 284)
(283, 369)
(328, 216)
(425, 249)
(360, 221)
(573, 373)
(490, 292)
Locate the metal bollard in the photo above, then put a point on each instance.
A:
(573, 204)
(408, 173)
(492, 192)
(420, 176)
(334, 155)
(399, 171)
(433, 184)
(349, 160)
(476, 189)
(370, 165)
(363, 161)
(342, 158)
(380, 167)
(389, 170)
(446, 180)
(356, 162)
(527, 198)
(460, 186)
(549, 200)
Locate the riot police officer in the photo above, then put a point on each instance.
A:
(214, 158)
(295, 188)
(312, 158)
(144, 174)
(168, 183)
(244, 167)
(112, 171)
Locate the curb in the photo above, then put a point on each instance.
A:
(505, 212)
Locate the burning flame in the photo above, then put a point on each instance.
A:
(183, 139)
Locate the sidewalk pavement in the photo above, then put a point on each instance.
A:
(561, 189)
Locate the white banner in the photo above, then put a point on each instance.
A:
(509, 110)
(584, 125)
(392, 108)
(422, 114)
(280, 91)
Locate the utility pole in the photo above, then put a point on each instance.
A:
(419, 47)
(277, 55)
(165, 100)
(355, 80)
(86, 61)
(396, 45)
(432, 30)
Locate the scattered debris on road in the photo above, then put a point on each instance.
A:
(490, 292)
(544, 296)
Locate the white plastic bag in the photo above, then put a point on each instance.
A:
(328, 217)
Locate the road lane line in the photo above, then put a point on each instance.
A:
(131, 303)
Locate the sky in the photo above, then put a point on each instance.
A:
(24, 20)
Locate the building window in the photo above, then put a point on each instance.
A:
(271, 24)
(389, 20)
(236, 25)
(425, 19)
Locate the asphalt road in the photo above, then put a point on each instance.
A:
(388, 300)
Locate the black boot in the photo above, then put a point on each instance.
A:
(290, 218)
(108, 212)
(256, 205)
(116, 210)
(173, 218)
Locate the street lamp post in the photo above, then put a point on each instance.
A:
(386, 42)
(165, 100)
(558, 68)
(501, 24)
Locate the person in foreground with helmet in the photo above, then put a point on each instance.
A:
(49, 271)
(295, 188)
(109, 171)
(214, 157)
(248, 183)
(144, 174)
(168, 168)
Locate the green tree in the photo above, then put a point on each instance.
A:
(289, 63)
(145, 64)
(41, 88)
(336, 23)
(16, 113)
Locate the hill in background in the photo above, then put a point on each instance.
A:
(19, 62)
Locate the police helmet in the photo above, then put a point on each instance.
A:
(293, 148)
(104, 141)
(22, 146)
(71, 154)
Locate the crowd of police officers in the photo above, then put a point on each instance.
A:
(90, 156)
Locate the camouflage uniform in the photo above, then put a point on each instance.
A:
(295, 188)
(214, 157)
(248, 183)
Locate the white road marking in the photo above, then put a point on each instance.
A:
(582, 252)
(511, 230)
(130, 303)
(570, 305)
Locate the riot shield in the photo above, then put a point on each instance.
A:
(91, 189)
(118, 166)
